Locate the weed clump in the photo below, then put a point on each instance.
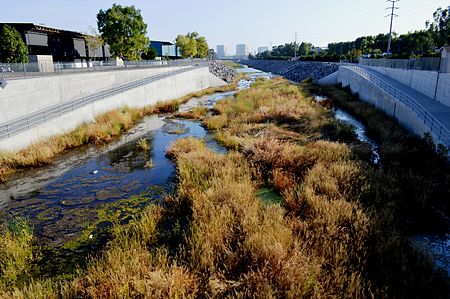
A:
(16, 252)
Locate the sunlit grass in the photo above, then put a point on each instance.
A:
(331, 233)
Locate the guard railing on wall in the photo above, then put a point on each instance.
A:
(423, 64)
(32, 120)
(34, 69)
(436, 127)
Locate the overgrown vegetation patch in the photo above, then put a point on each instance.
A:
(293, 210)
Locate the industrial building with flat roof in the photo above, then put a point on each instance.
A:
(63, 45)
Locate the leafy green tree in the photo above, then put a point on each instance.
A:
(187, 45)
(440, 27)
(416, 43)
(304, 49)
(12, 47)
(364, 43)
(123, 28)
(192, 45)
(151, 54)
(354, 55)
(285, 51)
(202, 47)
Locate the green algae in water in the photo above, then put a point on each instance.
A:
(64, 261)
(269, 196)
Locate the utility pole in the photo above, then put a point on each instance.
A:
(392, 15)
(295, 45)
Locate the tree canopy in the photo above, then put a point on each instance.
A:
(150, 54)
(440, 27)
(192, 45)
(12, 47)
(304, 48)
(123, 28)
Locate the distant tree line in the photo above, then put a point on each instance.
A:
(421, 43)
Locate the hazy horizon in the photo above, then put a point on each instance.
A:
(254, 23)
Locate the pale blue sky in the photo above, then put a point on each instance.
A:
(229, 22)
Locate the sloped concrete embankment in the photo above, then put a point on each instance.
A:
(295, 70)
(29, 96)
(382, 100)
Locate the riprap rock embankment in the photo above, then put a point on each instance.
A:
(294, 70)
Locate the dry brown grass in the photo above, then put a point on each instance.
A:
(324, 241)
(235, 244)
(326, 191)
(197, 113)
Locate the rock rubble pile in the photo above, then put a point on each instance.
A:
(222, 71)
(294, 70)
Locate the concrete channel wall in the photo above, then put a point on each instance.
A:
(23, 97)
(425, 82)
(376, 96)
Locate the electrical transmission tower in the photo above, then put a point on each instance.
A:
(392, 15)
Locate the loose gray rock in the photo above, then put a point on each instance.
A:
(222, 71)
(294, 70)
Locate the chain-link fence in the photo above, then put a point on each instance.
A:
(33, 69)
(424, 64)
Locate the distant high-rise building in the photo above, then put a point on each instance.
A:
(241, 51)
(221, 51)
(263, 49)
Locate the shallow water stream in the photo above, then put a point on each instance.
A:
(60, 206)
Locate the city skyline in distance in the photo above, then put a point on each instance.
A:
(250, 22)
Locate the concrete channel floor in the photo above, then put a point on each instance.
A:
(438, 110)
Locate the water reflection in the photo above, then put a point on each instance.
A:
(360, 131)
(438, 247)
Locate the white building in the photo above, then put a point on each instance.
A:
(241, 51)
(262, 49)
(221, 51)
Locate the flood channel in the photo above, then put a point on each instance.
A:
(63, 199)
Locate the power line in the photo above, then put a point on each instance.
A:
(392, 15)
